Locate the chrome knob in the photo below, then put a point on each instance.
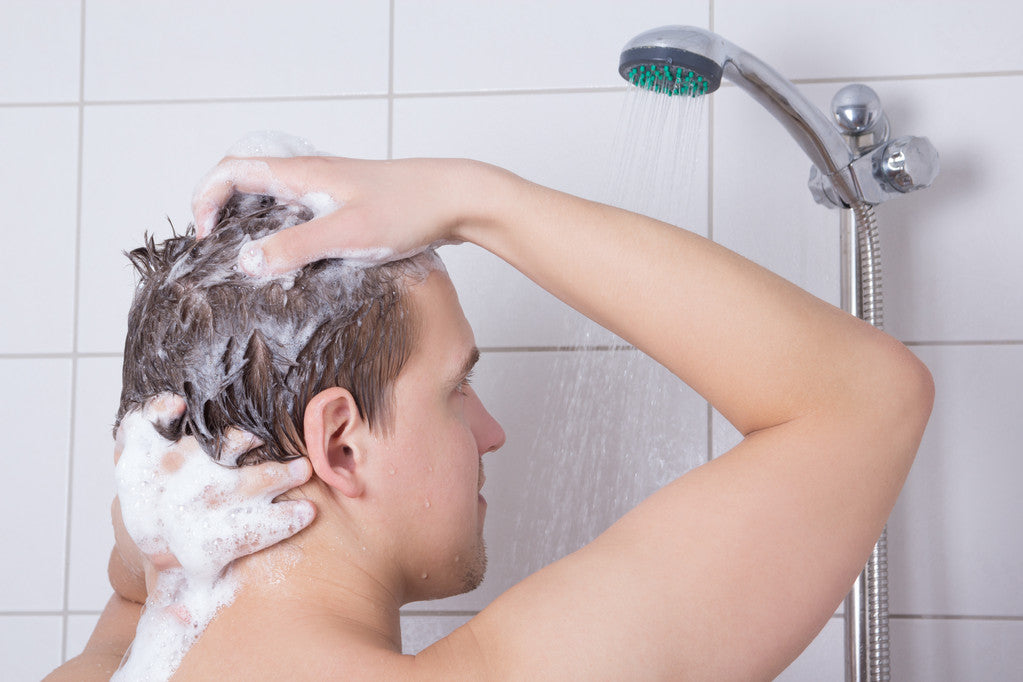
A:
(908, 163)
(857, 109)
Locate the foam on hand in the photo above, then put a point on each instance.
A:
(245, 171)
(192, 518)
(272, 143)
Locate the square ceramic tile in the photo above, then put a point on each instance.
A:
(174, 50)
(954, 536)
(93, 487)
(942, 650)
(950, 252)
(40, 44)
(459, 45)
(142, 163)
(29, 646)
(79, 629)
(560, 140)
(564, 141)
(506, 309)
(419, 632)
(762, 207)
(562, 479)
(823, 660)
(38, 188)
(36, 411)
(817, 39)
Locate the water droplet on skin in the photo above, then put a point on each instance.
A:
(427, 504)
(425, 576)
(392, 471)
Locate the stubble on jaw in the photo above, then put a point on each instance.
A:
(475, 569)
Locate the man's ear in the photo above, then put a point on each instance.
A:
(334, 431)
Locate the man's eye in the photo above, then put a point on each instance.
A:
(463, 387)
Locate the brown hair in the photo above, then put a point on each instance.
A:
(250, 353)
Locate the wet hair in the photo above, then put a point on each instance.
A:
(250, 353)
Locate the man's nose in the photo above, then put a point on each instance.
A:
(488, 433)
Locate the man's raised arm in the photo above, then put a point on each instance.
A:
(730, 571)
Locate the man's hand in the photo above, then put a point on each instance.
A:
(182, 509)
(376, 211)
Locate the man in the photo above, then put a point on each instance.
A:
(726, 573)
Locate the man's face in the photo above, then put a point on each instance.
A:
(431, 463)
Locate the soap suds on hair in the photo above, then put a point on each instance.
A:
(186, 506)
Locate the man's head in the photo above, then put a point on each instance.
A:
(249, 353)
(364, 371)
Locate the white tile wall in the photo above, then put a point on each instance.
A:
(459, 45)
(419, 632)
(956, 243)
(36, 404)
(239, 48)
(812, 39)
(763, 210)
(29, 646)
(957, 546)
(38, 258)
(943, 650)
(153, 119)
(40, 49)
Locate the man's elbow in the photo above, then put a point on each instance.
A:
(908, 390)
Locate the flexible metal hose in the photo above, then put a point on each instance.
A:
(875, 573)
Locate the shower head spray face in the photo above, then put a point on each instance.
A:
(667, 79)
(674, 60)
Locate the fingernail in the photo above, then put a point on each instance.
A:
(207, 226)
(251, 258)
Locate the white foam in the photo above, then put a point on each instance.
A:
(273, 143)
(178, 502)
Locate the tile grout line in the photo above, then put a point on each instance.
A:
(485, 93)
(390, 83)
(74, 335)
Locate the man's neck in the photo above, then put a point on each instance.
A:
(296, 598)
(296, 578)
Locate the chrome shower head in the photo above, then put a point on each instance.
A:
(675, 60)
(672, 49)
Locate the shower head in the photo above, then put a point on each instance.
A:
(670, 51)
(674, 60)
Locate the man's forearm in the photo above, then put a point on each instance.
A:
(102, 655)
